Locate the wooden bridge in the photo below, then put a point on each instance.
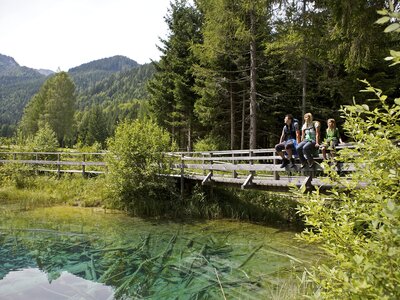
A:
(247, 169)
(253, 169)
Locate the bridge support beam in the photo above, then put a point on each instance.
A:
(207, 178)
(248, 181)
(306, 184)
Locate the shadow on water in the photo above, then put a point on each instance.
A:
(95, 254)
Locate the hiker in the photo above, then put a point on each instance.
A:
(310, 134)
(290, 137)
(332, 139)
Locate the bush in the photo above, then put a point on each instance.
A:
(135, 161)
(359, 226)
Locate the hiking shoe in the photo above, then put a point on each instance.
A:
(292, 163)
(311, 164)
(303, 165)
(285, 162)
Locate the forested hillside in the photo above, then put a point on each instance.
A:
(107, 82)
(17, 85)
(87, 75)
(117, 88)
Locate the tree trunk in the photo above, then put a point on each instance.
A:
(189, 136)
(233, 119)
(253, 104)
(243, 122)
(304, 65)
(304, 84)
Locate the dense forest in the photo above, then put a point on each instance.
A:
(233, 66)
(240, 66)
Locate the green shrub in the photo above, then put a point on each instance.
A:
(359, 225)
(14, 174)
(135, 161)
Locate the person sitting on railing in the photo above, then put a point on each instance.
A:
(332, 139)
(310, 135)
(290, 137)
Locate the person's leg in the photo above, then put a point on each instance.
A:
(289, 150)
(300, 153)
(279, 149)
(308, 150)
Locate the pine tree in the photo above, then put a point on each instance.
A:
(171, 91)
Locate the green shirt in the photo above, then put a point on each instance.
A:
(332, 135)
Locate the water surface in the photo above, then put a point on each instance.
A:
(84, 253)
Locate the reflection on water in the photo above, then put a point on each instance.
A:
(33, 284)
(78, 253)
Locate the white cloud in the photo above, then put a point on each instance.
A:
(66, 33)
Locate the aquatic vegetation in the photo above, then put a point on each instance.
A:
(150, 259)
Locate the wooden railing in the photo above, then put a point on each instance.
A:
(258, 168)
(59, 162)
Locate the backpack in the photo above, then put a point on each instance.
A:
(290, 132)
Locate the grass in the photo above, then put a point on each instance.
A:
(32, 191)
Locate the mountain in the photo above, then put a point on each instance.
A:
(118, 88)
(87, 75)
(17, 85)
(106, 81)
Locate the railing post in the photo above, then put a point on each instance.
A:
(83, 165)
(36, 167)
(251, 162)
(211, 163)
(203, 163)
(58, 165)
(234, 173)
(182, 175)
(276, 173)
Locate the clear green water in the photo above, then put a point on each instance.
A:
(80, 253)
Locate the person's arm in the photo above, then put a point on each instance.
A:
(298, 137)
(282, 136)
(317, 135)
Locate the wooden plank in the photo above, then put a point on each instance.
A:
(55, 162)
(226, 159)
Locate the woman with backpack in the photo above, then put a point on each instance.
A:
(310, 136)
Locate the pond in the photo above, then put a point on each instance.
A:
(85, 253)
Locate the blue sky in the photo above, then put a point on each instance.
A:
(52, 34)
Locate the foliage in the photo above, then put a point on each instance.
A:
(45, 139)
(135, 161)
(210, 143)
(54, 104)
(15, 175)
(389, 15)
(171, 90)
(358, 224)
